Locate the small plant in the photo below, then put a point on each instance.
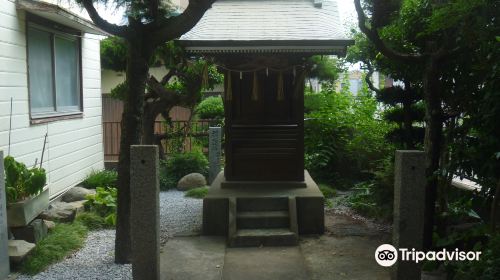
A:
(181, 164)
(21, 182)
(103, 178)
(63, 240)
(103, 203)
(200, 192)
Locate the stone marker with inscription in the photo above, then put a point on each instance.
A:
(4, 236)
(214, 152)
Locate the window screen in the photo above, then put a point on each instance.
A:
(54, 72)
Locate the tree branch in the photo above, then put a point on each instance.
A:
(174, 27)
(373, 35)
(368, 77)
(113, 29)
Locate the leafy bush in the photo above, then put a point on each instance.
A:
(181, 164)
(488, 266)
(200, 192)
(344, 136)
(103, 179)
(62, 240)
(103, 203)
(211, 108)
(21, 182)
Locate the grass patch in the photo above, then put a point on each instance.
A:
(93, 221)
(63, 239)
(200, 192)
(328, 192)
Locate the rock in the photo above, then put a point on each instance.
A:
(49, 224)
(76, 194)
(60, 212)
(191, 181)
(34, 232)
(19, 249)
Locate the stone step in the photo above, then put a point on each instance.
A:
(262, 219)
(262, 204)
(264, 237)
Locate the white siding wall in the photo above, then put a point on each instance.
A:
(74, 147)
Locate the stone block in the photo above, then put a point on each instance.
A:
(18, 250)
(34, 232)
(409, 207)
(76, 194)
(145, 212)
(214, 152)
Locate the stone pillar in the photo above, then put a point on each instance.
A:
(4, 234)
(409, 206)
(214, 152)
(145, 212)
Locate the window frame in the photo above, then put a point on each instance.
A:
(55, 29)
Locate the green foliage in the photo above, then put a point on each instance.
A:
(102, 178)
(488, 266)
(103, 203)
(113, 54)
(328, 192)
(62, 241)
(22, 182)
(325, 68)
(344, 135)
(200, 192)
(210, 108)
(179, 165)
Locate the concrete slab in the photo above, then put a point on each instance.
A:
(194, 258)
(264, 263)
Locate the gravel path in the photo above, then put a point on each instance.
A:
(179, 216)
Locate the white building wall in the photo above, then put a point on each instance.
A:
(74, 147)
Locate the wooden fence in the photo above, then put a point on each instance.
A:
(174, 129)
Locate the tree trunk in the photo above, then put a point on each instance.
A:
(432, 143)
(136, 75)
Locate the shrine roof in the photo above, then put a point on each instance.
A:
(269, 26)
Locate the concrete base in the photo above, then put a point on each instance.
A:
(309, 201)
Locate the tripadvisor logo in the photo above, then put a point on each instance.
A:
(386, 255)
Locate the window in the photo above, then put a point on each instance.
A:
(53, 71)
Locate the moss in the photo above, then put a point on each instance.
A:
(200, 192)
(92, 221)
(328, 192)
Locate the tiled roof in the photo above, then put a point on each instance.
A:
(273, 20)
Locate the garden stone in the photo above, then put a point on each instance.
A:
(34, 232)
(191, 181)
(76, 193)
(19, 249)
(60, 212)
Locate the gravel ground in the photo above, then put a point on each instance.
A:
(179, 216)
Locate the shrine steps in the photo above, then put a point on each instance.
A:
(264, 221)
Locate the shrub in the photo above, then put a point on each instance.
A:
(63, 240)
(181, 164)
(211, 108)
(103, 178)
(21, 182)
(104, 204)
(200, 192)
